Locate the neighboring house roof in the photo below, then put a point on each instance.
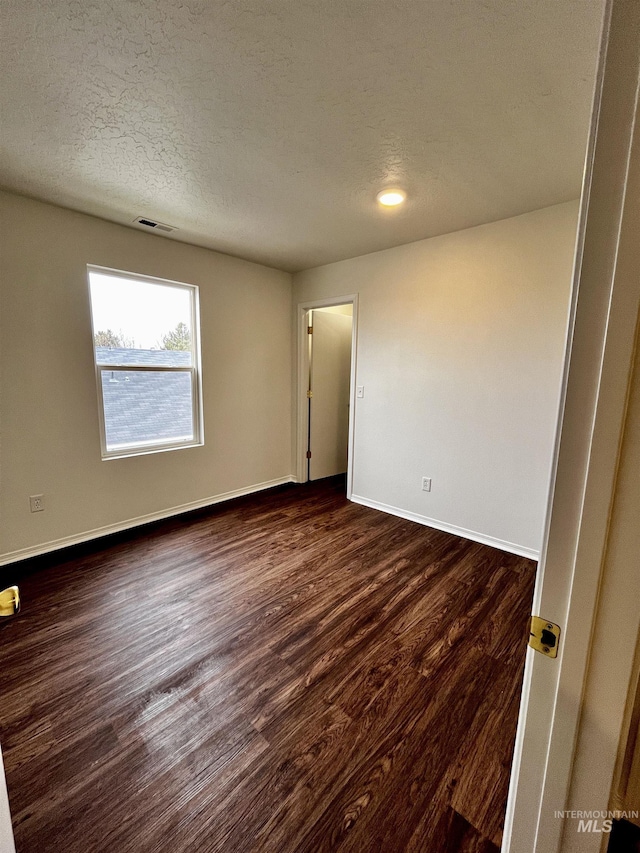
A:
(145, 406)
(145, 357)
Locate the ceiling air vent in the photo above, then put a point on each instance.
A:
(157, 226)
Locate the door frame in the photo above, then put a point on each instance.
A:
(598, 367)
(6, 831)
(302, 374)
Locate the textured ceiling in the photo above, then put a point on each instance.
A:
(265, 128)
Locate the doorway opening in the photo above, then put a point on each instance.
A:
(326, 387)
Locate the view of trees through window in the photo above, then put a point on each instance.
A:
(145, 355)
(178, 339)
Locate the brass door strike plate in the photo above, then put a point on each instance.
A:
(544, 636)
(9, 601)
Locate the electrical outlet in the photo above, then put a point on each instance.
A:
(36, 502)
(426, 484)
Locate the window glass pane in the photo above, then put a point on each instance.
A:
(143, 407)
(140, 322)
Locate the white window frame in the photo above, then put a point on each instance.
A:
(195, 371)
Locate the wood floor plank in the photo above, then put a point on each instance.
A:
(286, 673)
(406, 766)
(482, 767)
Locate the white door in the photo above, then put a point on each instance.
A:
(6, 833)
(329, 404)
(601, 333)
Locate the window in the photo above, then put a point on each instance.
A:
(146, 346)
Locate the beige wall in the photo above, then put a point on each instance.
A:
(460, 350)
(347, 310)
(49, 435)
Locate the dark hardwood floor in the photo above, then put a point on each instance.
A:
(287, 673)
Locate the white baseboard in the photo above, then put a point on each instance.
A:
(511, 547)
(96, 533)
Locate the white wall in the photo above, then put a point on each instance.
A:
(460, 350)
(49, 434)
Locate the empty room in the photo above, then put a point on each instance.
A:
(294, 343)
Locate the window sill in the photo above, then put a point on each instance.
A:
(148, 449)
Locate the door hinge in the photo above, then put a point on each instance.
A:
(309, 394)
(308, 454)
(544, 636)
(309, 330)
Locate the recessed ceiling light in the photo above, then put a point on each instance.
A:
(391, 197)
